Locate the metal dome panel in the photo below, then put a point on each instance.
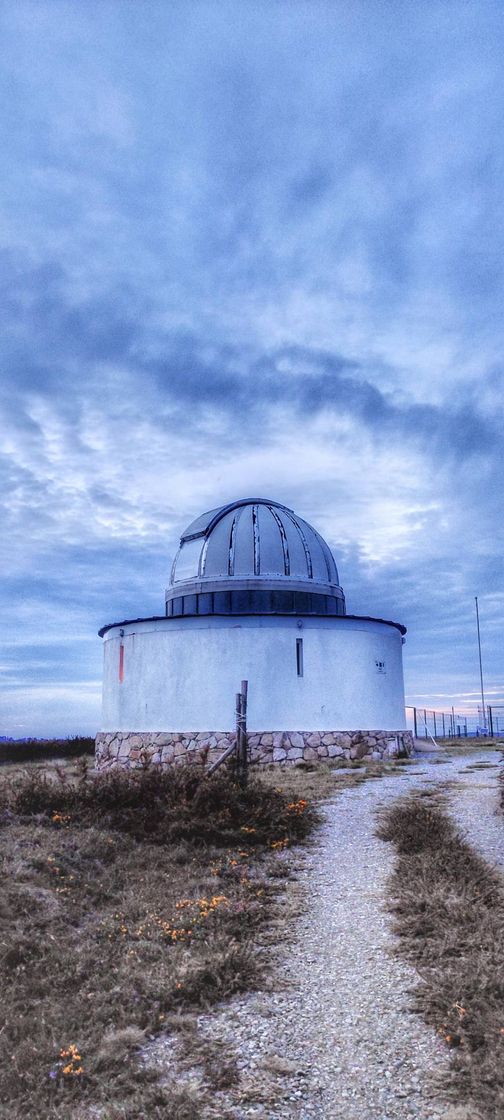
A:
(216, 550)
(272, 552)
(187, 561)
(322, 567)
(245, 545)
(298, 566)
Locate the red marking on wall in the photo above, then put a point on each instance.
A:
(121, 662)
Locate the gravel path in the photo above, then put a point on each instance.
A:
(336, 1038)
(473, 799)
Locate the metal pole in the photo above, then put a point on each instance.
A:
(427, 732)
(415, 723)
(480, 664)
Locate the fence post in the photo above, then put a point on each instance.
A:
(426, 733)
(444, 728)
(415, 723)
(244, 690)
(490, 719)
(435, 727)
(239, 746)
(241, 734)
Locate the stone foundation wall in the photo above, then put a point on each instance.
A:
(132, 750)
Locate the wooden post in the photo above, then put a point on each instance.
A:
(238, 717)
(241, 734)
(223, 758)
(239, 746)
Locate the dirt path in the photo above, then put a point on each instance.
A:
(336, 1038)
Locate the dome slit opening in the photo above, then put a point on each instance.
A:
(232, 545)
(257, 554)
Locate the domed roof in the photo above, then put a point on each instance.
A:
(254, 545)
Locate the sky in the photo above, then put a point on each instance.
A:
(249, 248)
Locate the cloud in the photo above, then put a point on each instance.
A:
(254, 251)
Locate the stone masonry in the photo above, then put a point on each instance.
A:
(135, 749)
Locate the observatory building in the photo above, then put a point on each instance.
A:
(254, 595)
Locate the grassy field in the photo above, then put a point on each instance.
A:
(127, 903)
(463, 746)
(449, 914)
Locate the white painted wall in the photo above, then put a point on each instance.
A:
(182, 675)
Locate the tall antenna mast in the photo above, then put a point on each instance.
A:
(483, 716)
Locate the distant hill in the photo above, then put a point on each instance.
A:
(31, 750)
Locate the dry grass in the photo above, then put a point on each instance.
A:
(319, 780)
(463, 746)
(126, 901)
(449, 914)
(129, 903)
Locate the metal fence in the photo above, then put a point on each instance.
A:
(426, 723)
(496, 719)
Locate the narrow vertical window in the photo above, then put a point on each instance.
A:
(299, 656)
(121, 662)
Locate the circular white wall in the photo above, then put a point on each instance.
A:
(179, 675)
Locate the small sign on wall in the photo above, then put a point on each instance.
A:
(380, 667)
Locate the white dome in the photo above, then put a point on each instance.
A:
(256, 545)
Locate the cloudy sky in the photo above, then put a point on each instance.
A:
(249, 248)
